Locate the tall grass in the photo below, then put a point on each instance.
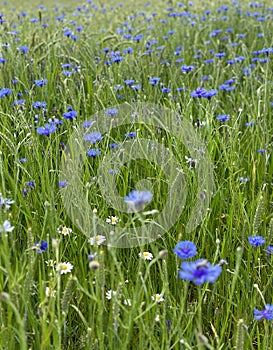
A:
(40, 308)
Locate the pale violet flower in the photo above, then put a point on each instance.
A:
(6, 227)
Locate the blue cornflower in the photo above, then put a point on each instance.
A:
(137, 199)
(23, 49)
(62, 183)
(223, 117)
(131, 134)
(5, 92)
(266, 314)
(256, 241)
(86, 124)
(31, 184)
(185, 249)
(111, 111)
(39, 104)
(154, 81)
(40, 247)
(41, 82)
(198, 93)
(93, 152)
(269, 250)
(93, 137)
(261, 150)
(23, 160)
(113, 145)
(187, 69)
(199, 271)
(70, 114)
(46, 129)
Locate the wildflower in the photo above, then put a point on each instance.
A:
(137, 199)
(93, 152)
(187, 69)
(223, 117)
(41, 82)
(199, 271)
(154, 81)
(46, 129)
(266, 314)
(6, 227)
(185, 249)
(64, 267)
(40, 247)
(62, 183)
(23, 49)
(158, 298)
(130, 135)
(269, 250)
(50, 263)
(50, 292)
(70, 114)
(97, 240)
(86, 124)
(127, 302)
(94, 265)
(64, 230)
(93, 137)
(5, 92)
(256, 241)
(113, 220)
(110, 294)
(39, 104)
(111, 111)
(146, 255)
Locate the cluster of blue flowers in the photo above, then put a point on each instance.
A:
(199, 271)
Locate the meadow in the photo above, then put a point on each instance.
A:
(136, 175)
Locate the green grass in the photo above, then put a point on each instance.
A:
(215, 315)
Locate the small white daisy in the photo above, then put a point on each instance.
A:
(50, 263)
(146, 255)
(97, 240)
(64, 267)
(110, 294)
(158, 298)
(64, 230)
(50, 292)
(127, 302)
(113, 220)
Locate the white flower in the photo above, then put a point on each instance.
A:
(146, 255)
(64, 230)
(50, 263)
(50, 292)
(127, 302)
(158, 298)
(6, 227)
(110, 294)
(64, 267)
(112, 220)
(97, 240)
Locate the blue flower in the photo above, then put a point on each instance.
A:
(5, 92)
(93, 152)
(62, 183)
(266, 314)
(70, 114)
(137, 199)
(40, 247)
(269, 250)
(111, 111)
(93, 137)
(185, 249)
(46, 129)
(39, 104)
(86, 124)
(41, 82)
(199, 271)
(131, 134)
(223, 117)
(256, 241)
(23, 49)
